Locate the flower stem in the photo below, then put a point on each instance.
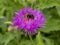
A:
(31, 39)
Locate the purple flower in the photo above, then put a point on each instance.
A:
(29, 20)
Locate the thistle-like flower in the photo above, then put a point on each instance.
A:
(29, 20)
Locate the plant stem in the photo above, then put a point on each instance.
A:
(31, 39)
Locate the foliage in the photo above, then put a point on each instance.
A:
(50, 35)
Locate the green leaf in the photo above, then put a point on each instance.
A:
(8, 7)
(25, 42)
(48, 41)
(53, 38)
(6, 38)
(2, 24)
(2, 11)
(42, 4)
(58, 10)
(1, 36)
(39, 40)
(53, 20)
(52, 25)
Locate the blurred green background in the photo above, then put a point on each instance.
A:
(50, 35)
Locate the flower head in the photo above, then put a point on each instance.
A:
(29, 20)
